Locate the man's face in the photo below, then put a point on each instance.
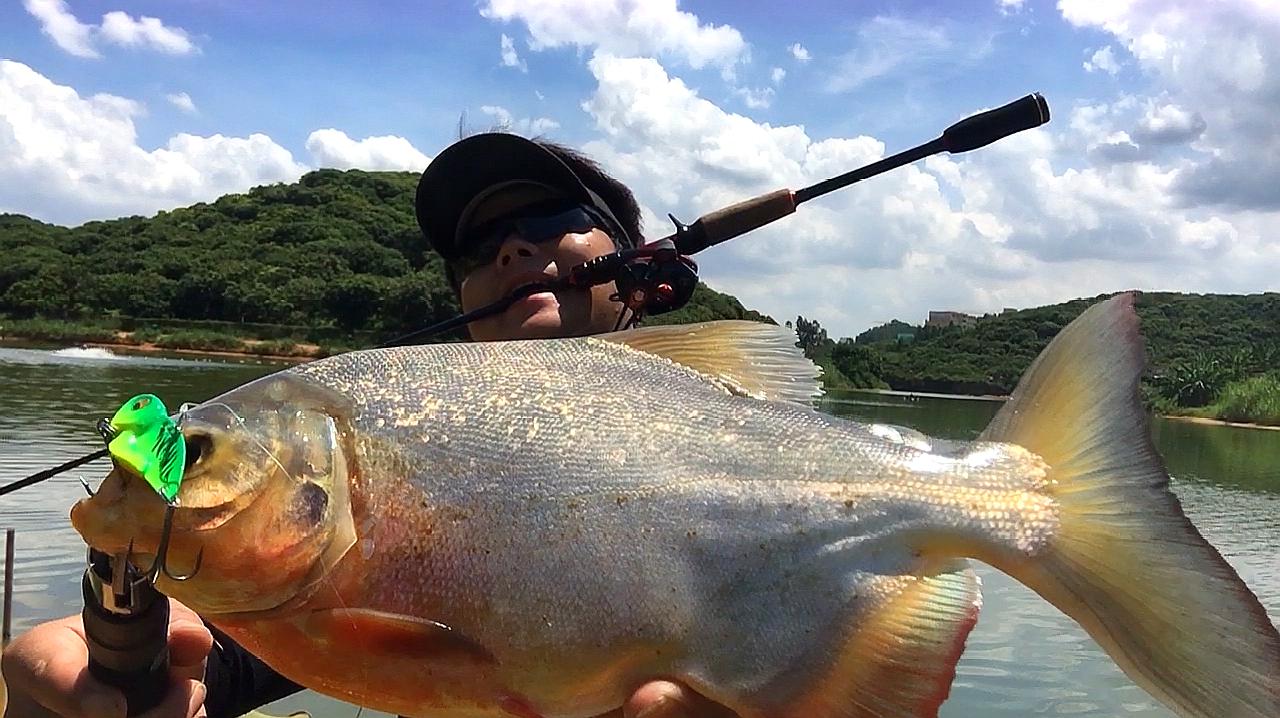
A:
(543, 315)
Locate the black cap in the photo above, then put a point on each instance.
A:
(476, 166)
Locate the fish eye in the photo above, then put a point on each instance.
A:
(197, 446)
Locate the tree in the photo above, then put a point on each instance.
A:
(861, 364)
(811, 337)
(353, 300)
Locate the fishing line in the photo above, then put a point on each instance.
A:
(182, 411)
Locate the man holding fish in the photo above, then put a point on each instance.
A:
(544, 528)
(503, 212)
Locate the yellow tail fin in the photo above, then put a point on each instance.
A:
(1127, 564)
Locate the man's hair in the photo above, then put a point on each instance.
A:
(615, 194)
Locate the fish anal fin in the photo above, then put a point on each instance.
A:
(901, 658)
(390, 634)
(749, 358)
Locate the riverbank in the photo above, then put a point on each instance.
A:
(309, 352)
(1222, 422)
(195, 339)
(1220, 414)
(1251, 403)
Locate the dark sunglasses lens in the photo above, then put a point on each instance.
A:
(540, 229)
(483, 243)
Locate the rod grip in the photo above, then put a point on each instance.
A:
(986, 127)
(130, 652)
(736, 219)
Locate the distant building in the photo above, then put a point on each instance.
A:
(905, 338)
(947, 319)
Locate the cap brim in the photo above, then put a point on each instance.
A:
(471, 166)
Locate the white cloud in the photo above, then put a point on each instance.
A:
(69, 158)
(182, 101)
(777, 75)
(524, 126)
(1016, 224)
(1010, 6)
(1219, 64)
(1102, 61)
(62, 27)
(799, 52)
(756, 98)
(893, 44)
(624, 27)
(1166, 124)
(510, 58)
(117, 28)
(333, 148)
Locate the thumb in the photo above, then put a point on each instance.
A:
(189, 641)
(664, 699)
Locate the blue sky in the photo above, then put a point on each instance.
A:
(1155, 173)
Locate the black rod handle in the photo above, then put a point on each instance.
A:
(986, 127)
(129, 651)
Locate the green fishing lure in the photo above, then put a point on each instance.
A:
(148, 442)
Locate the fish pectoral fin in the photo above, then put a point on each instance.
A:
(383, 633)
(899, 659)
(748, 358)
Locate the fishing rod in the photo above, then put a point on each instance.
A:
(660, 276)
(668, 280)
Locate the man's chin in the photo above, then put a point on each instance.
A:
(536, 318)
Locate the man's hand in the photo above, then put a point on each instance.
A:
(47, 672)
(663, 699)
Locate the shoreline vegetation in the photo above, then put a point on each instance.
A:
(335, 261)
(1250, 403)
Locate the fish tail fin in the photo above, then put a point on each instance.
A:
(1126, 563)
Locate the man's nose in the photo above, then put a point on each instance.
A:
(515, 247)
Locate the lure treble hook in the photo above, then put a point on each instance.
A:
(160, 564)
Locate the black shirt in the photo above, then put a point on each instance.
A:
(237, 682)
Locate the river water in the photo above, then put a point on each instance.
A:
(1023, 658)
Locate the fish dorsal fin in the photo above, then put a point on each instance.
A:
(748, 358)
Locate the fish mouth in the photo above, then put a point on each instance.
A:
(124, 514)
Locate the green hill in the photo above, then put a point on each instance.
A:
(335, 251)
(1203, 348)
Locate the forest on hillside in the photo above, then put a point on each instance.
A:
(1204, 351)
(336, 249)
(337, 259)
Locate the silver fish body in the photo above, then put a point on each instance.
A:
(588, 514)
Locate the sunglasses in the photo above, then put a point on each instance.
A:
(481, 245)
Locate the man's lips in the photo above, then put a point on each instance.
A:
(526, 279)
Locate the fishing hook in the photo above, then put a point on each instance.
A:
(105, 429)
(160, 564)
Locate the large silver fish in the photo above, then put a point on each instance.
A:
(536, 528)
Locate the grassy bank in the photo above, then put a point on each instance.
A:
(1255, 400)
(144, 338)
(1252, 400)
